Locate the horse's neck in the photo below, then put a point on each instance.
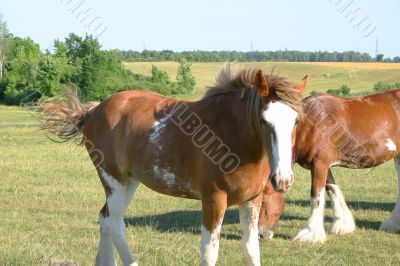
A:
(230, 125)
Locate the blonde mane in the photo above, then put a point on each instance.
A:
(232, 78)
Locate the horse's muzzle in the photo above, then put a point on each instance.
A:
(265, 233)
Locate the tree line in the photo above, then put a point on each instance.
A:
(254, 56)
(27, 73)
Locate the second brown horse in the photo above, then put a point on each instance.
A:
(354, 133)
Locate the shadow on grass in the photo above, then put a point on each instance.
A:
(360, 224)
(366, 224)
(355, 205)
(182, 221)
(189, 221)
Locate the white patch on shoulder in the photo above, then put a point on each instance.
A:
(390, 145)
(157, 129)
(168, 177)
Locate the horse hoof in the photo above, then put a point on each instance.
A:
(390, 226)
(342, 227)
(313, 236)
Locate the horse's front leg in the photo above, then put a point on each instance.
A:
(392, 224)
(249, 215)
(313, 230)
(213, 210)
(343, 221)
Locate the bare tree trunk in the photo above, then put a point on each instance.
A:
(4, 35)
(2, 57)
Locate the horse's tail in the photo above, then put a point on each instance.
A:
(65, 116)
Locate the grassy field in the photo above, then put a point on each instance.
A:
(50, 197)
(323, 76)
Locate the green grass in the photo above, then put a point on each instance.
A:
(323, 76)
(50, 197)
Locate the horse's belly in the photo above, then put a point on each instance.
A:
(169, 181)
(368, 154)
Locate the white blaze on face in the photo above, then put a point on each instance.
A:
(282, 118)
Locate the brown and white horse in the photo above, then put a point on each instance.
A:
(217, 150)
(354, 133)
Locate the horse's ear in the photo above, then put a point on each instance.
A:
(261, 83)
(301, 86)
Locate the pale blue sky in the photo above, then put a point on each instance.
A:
(308, 25)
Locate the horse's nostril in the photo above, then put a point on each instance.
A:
(268, 235)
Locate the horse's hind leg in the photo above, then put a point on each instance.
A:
(112, 226)
(343, 221)
(213, 210)
(105, 253)
(249, 214)
(313, 230)
(392, 224)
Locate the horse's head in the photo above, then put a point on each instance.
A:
(281, 110)
(271, 210)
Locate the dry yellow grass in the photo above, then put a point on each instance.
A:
(322, 75)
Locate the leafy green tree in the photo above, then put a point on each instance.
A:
(4, 37)
(21, 67)
(79, 62)
(73, 44)
(379, 58)
(185, 78)
(158, 75)
(162, 82)
(47, 78)
(344, 90)
(60, 49)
